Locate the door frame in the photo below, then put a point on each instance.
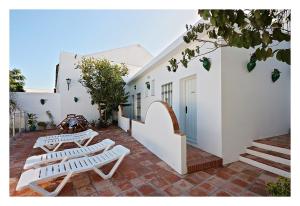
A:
(182, 104)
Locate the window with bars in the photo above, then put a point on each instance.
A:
(166, 93)
(138, 106)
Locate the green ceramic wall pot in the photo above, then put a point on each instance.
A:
(43, 101)
(206, 63)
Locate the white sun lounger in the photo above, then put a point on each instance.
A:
(53, 142)
(51, 157)
(31, 178)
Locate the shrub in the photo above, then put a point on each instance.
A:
(31, 121)
(280, 188)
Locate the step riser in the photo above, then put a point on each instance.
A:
(265, 167)
(269, 157)
(272, 148)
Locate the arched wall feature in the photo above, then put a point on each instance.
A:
(123, 122)
(161, 135)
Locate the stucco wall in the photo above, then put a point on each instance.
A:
(134, 56)
(30, 103)
(253, 106)
(208, 95)
(68, 105)
(158, 135)
(123, 122)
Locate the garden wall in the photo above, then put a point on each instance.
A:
(31, 103)
(161, 135)
(123, 122)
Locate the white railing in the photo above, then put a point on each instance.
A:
(17, 122)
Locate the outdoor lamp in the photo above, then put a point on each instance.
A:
(68, 82)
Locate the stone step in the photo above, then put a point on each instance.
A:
(268, 165)
(198, 160)
(279, 144)
(269, 155)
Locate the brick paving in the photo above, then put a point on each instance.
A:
(141, 174)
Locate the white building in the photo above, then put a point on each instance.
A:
(221, 111)
(62, 101)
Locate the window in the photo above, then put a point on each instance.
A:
(138, 106)
(153, 87)
(166, 93)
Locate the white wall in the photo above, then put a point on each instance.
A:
(133, 56)
(123, 122)
(209, 137)
(68, 105)
(157, 134)
(30, 103)
(253, 106)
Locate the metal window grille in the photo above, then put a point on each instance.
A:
(166, 93)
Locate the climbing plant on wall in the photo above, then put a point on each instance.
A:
(258, 29)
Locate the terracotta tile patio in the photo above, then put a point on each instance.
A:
(142, 174)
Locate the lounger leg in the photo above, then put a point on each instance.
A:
(45, 149)
(112, 171)
(78, 144)
(88, 142)
(57, 147)
(44, 192)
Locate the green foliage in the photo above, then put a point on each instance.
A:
(31, 121)
(281, 188)
(104, 83)
(16, 81)
(257, 29)
(275, 75)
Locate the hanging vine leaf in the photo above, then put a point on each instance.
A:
(275, 75)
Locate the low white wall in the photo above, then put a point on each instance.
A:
(123, 122)
(30, 103)
(159, 135)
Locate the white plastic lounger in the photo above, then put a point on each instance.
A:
(31, 178)
(38, 160)
(53, 142)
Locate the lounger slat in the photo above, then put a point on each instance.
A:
(68, 153)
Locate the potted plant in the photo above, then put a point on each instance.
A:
(31, 121)
(42, 125)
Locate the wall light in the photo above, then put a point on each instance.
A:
(68, 82)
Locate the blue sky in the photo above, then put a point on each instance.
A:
(38, 36)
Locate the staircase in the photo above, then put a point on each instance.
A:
(271, 154)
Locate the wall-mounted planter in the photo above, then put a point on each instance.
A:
(43, 101)
(206, 63)
(76, 99)
(148, 85)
